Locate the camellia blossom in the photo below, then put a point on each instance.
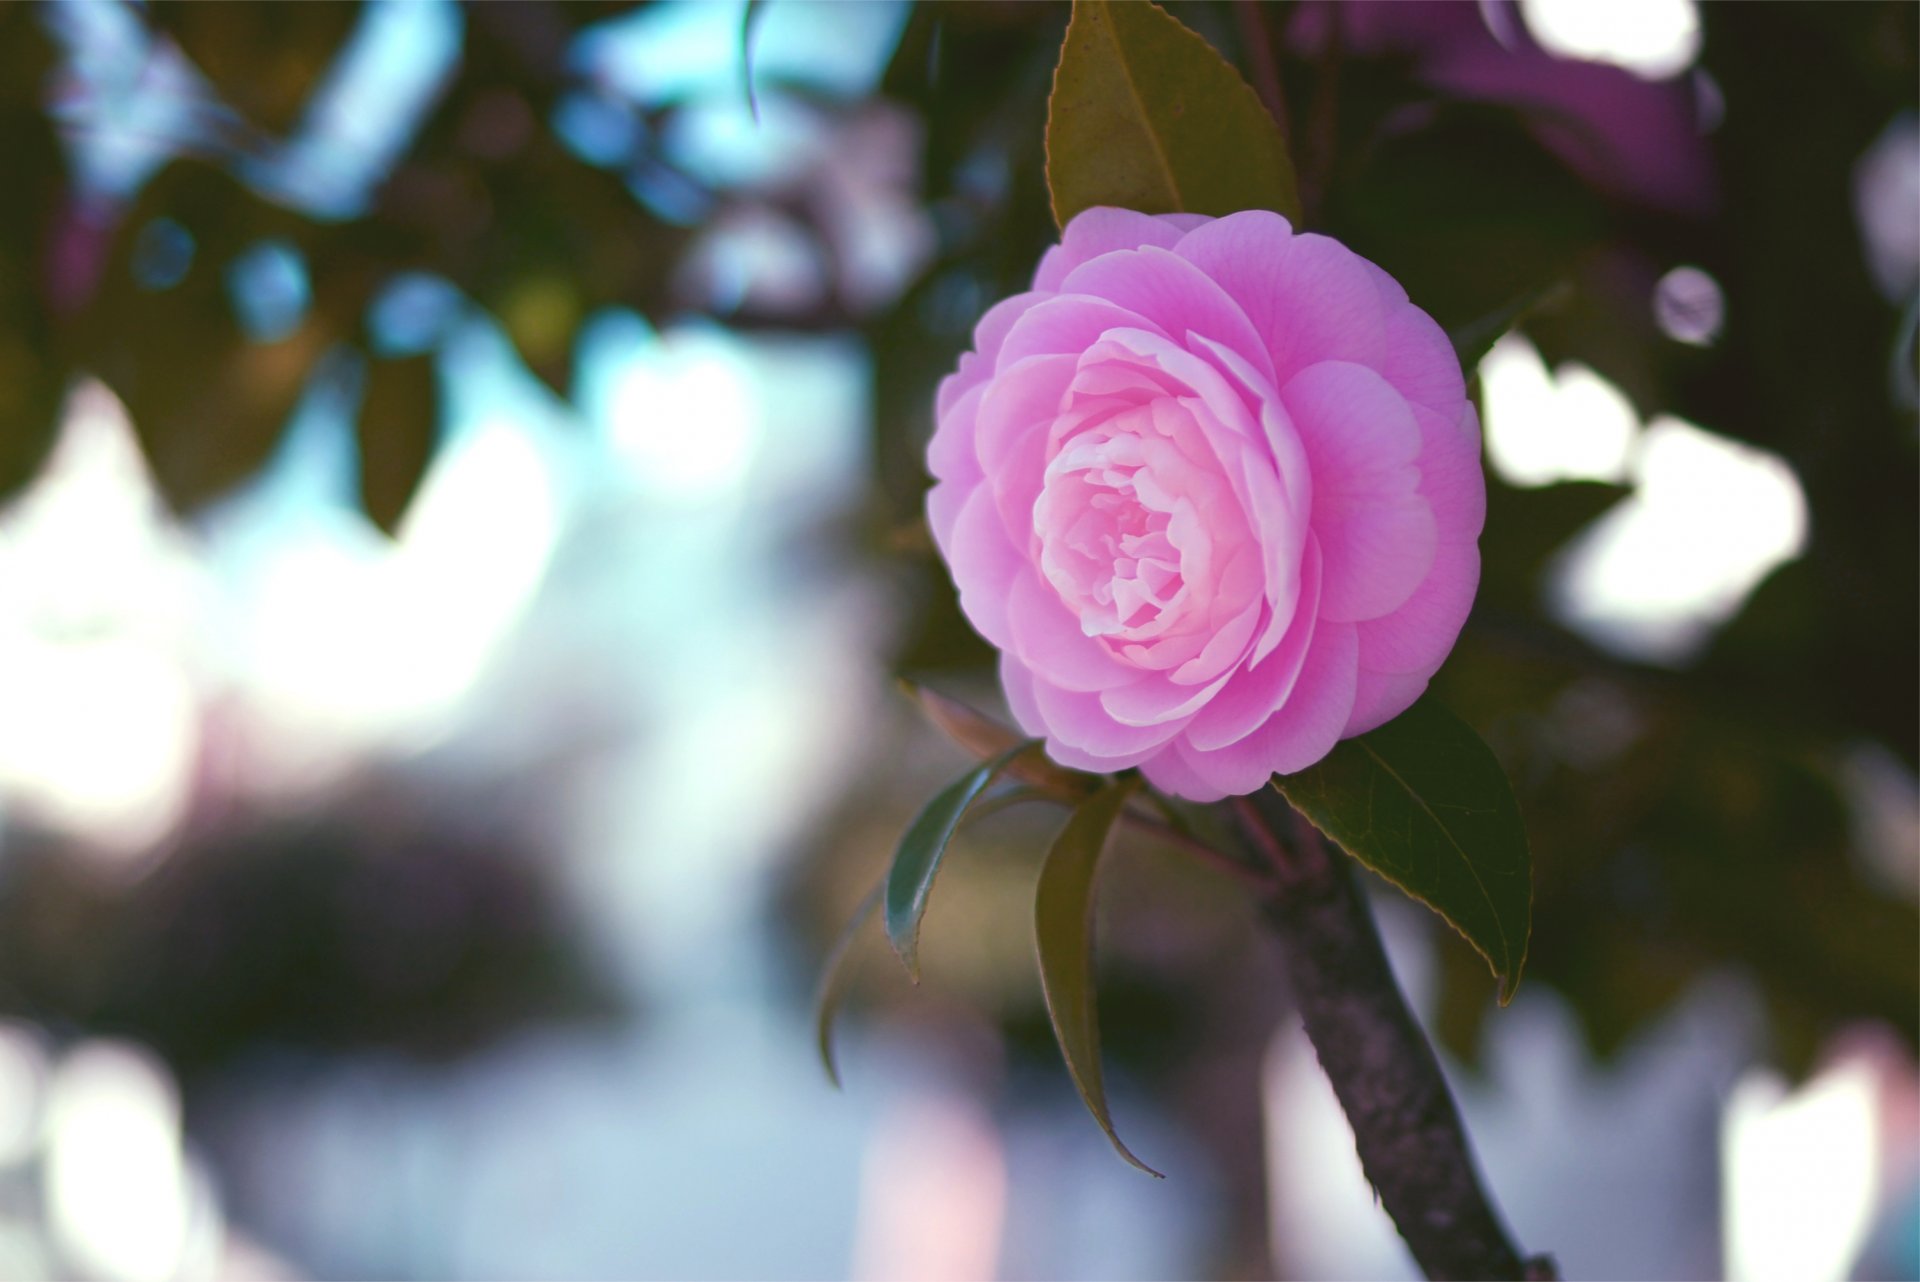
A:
(1213, 490)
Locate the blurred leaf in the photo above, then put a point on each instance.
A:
(1145, 115)
(1423, 802)
(1473, 340)
(397, 431)
(1063, 935)
(910, 880)
(208, 399)
(32, 378)
(835, 977)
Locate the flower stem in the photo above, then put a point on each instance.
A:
(1412, 1145)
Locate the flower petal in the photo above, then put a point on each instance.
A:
(1175, 295)
(1255, 693)
(1302, 731)
(1102, 230)
(1309, 297)
(1450, 475)
(1417, 636)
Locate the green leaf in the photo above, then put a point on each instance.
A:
(1423, 802)
(910, 880)
(1145, 115)
(835, 976)
(1063, 934)
(1473, 340)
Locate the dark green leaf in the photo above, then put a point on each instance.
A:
(835, 975)
(910, 880)
(1145, 115)
(1473, 340)
(1423, 802)
(1063, 934)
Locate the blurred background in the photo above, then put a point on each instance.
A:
(461, 519)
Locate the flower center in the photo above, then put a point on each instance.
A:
(1120, 527)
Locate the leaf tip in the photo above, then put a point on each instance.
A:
(907, 948)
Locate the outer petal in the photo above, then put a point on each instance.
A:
(1102, 230)
(1304, 729)
(1375, 529)
(1311, 298)
(1417, 636)
(1168, 771)
(1421, 362)
(1382, 696)
(1023, 701)
(1175, 295)
(1450, 475)
(985, 565)
(950, 455)
(1078, 721)
(977, 366)
(1068, 324)
(1026, 393)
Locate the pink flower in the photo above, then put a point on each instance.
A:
(1213, 490)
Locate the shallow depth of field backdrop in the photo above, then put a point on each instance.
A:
(461, 471)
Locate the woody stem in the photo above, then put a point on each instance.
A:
(1408, 1132)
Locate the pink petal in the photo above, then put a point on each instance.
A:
(1101, 230)
(1301, 732)
(1376, 531)
(1175, 295)
(1382, 696)
(1067, 323)
(1169, 772)
(1421, 362)
(1027, 392)
(1255, 693)
(1046, 637)
(1080, 723)
(1450, 475)
(985, 565)
(1153, 700)
(950, 454)
(1391, 291)
(1417, 636)
(1310, 298)
(1023, 701)
(1377, 553)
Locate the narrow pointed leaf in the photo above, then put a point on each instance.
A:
(1063, 935)
(1424, 803)
(836, 973)
(917, 859)
(1473, 340)
(1145, 115)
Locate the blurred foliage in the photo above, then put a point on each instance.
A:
(376, 921)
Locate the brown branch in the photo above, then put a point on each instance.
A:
(1412, 1145)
